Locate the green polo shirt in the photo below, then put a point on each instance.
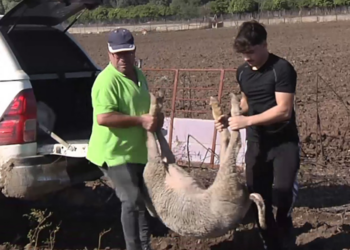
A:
(112, 91)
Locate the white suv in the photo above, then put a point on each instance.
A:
(45, 84)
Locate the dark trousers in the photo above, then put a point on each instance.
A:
(271, 170)
(127, 180)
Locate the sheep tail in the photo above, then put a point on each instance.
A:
(259, 201)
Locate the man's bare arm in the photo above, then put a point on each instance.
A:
(281, 112)
(118, 120)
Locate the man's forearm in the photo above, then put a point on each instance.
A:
(118, 120)
(273, 115)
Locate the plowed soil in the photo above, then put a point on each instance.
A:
(319, 53)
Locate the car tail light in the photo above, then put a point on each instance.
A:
(18, 124)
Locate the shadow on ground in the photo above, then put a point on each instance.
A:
(92, 211)
(245, 238)
(323, 196)
(336, 242)
(80, 224)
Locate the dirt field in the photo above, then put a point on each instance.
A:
(315, 50)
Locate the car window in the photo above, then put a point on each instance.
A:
(48, 51)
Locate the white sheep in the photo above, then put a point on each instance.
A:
(181, 202)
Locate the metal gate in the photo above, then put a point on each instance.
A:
(175, 84)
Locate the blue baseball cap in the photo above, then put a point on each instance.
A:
(120, 40)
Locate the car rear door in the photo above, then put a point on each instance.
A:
(45, 12)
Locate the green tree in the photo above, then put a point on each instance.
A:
(219, 6)
(9, 4)
(341, 2)
(242, 6)
(2, 8)
(186, 8)
(160, 2)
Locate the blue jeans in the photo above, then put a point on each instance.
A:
(127, 180)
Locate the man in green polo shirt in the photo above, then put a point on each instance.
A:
(121, 103)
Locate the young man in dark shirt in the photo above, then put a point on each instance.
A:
(268, 84)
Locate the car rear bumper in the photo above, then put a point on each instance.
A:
(33, 177)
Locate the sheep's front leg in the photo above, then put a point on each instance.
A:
(156, 108)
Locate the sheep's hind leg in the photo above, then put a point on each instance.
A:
(224, 134)
(163, 144)
(153, 150)
(234, 144)
(153, 154)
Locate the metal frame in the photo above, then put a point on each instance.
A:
(174, 98)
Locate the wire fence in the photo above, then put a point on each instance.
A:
(322, 111)
(227, 20)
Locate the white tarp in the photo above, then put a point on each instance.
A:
(192, 138)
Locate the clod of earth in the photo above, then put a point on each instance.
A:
(181, 202)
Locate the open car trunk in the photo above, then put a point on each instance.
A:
(62, 77)
(70, 102)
